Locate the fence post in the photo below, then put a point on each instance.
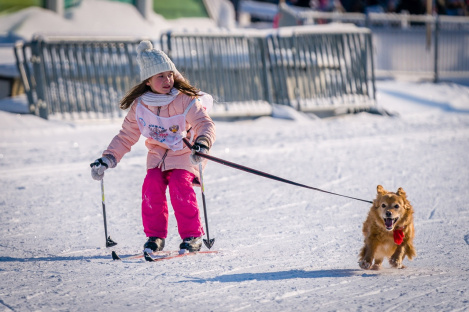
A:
(266, 67)
(369, 49)
(23, 69)
(437, 34)
(36, 59)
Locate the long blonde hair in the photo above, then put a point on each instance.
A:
(181, 84)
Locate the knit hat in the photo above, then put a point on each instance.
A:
(151, 61)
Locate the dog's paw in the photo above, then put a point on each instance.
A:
(376, 267)
(396, 263)
(364, 264)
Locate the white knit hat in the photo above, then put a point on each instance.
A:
(151, 61)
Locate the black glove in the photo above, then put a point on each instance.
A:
(201, 145)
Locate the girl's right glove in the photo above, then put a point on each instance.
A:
(201, 145)
(99, 166)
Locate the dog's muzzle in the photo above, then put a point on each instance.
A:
(389, 223)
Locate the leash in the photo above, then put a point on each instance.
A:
(266, 175)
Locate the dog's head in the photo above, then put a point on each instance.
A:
(390, 207)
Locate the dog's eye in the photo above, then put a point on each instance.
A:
(383, 205)
(396, 206)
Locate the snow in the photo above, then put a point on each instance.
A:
(281, 247)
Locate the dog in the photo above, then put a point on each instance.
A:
(388, 230)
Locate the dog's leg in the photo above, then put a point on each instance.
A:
(397, 257)
(410, 250)
(364, 265)
(367, 255)
(377, 265)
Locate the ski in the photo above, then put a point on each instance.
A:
(150, 258)
(160, 255)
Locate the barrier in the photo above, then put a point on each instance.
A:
(230, 66)
(308, 68)
(79, 77)
(322, 67)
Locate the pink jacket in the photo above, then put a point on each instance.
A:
(158, 154)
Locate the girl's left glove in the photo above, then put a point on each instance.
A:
(201, 145)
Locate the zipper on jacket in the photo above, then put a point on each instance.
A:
(162, 164)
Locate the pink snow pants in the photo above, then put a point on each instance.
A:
(183, 200)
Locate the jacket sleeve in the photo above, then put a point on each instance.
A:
(122, 143)
(201, 122)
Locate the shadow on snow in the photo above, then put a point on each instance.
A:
(444, 106)
(282, 275)
(52, 258)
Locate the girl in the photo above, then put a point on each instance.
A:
(165, 109)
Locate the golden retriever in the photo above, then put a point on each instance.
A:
(388, 231)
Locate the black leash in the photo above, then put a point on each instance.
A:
(266, 175)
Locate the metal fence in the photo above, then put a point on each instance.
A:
(76, 76)
(309, 68)
(230, 66)
(423, 46)
(322, 67)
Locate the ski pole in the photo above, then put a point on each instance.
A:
(109, 241)
(208, 242)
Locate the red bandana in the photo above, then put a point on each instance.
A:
(398, 236)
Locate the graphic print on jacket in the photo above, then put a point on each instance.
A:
(157, 132)
(167, 130)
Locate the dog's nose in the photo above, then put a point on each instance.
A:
(388, 214)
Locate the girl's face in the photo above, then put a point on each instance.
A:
(161, 83)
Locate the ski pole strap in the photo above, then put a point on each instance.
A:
(267, 175)
(99, 162)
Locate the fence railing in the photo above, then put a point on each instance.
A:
(322, 67)
(230, 66)
(309, 68)
(423, 46)
(76, 75)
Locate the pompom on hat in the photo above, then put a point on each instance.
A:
(152, 61)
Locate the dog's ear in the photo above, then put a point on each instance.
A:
(381, 190)
(400, 192)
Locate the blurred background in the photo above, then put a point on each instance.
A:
(75, 56)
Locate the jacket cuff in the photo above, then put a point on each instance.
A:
(204, 140)
(112, 160)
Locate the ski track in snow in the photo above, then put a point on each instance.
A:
(281, 247)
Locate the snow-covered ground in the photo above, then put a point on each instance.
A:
(281, 248)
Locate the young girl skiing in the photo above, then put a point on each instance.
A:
(164, 108)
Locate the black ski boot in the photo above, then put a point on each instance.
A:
(153, 244)
(191, 244)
